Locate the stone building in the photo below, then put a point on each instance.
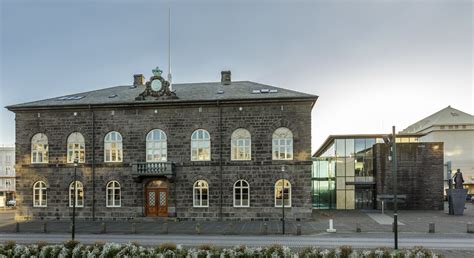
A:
(7, 174)
(219, 150)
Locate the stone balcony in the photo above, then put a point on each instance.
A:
(153, 169)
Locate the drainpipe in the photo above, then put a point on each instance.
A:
(220, 160)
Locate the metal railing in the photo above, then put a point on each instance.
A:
(153, 169)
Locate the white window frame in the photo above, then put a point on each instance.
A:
(282, 138)
(200, 188)
(39, 148)
(200, 140)
(278, 188)
(113, 146)
(40, 186)
(156, 144)
(79, 189)
(241, 145)
(241, 188)
(76, 148)
(111, 201)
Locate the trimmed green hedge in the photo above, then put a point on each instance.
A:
(73, 249)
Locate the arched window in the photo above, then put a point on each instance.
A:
(241, 194)
(201, 194)
(240, 145)
(39, 194)
(79, 194)
(200, 145)
(113, 147)
(39, 148)
(113, 194)
(282, 144)
(156, 146)
(76, 148)
(279, 193)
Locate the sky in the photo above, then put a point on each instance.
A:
(373, 64)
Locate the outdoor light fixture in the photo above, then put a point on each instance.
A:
(73, 230)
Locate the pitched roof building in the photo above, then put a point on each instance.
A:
(217, 150)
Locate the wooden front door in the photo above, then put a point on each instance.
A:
(156, 202)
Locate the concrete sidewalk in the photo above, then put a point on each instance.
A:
(344, 222)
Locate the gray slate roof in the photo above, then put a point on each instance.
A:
(446, 116)
(186, 92)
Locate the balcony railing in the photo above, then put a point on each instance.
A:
(144, 169)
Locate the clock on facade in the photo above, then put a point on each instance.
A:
(157, 87)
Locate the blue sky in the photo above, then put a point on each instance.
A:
(374, 64)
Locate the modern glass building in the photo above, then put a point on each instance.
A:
(343, 172)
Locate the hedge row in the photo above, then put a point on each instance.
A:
(73, 249)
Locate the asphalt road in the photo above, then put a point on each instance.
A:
(461, 242)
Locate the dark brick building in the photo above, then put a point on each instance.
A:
(193, 151)
(419, 174)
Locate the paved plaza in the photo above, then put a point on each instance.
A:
(344, 222)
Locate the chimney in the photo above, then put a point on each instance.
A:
(138, 80)
(225, 78)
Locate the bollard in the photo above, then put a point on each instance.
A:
(470, 227)
(298, 229)
(265, 229)
(358, 229)
(383, 207)
(17, 228)
(198, 228)
(331, 228)
(103, 229)
(165, 228)
(431, 228)
(134, 228)
(45, 227)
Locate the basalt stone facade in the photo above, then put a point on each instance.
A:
(220, 114)
(420, 174)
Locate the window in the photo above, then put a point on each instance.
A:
(286, 193)
(240, 145)
(200, 145)
(156, 146)
(8, 183)
(113, 147)
(113, 194)
(39, 194)
(76, 148)
(282, 144)
(241, 194)
(39, 148)
(201, 194)
(79, 194)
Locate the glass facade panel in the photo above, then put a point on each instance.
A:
(340, 148)
(323, 185)
(350, 166)
(340, 167)
(341, 200)
(349, 148)
(359, 145)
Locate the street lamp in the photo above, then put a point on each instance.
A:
(283, 200)
(73, 230)
(395, 182)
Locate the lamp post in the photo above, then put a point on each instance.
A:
(73, 230)
(283, 200)
(394, 181)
